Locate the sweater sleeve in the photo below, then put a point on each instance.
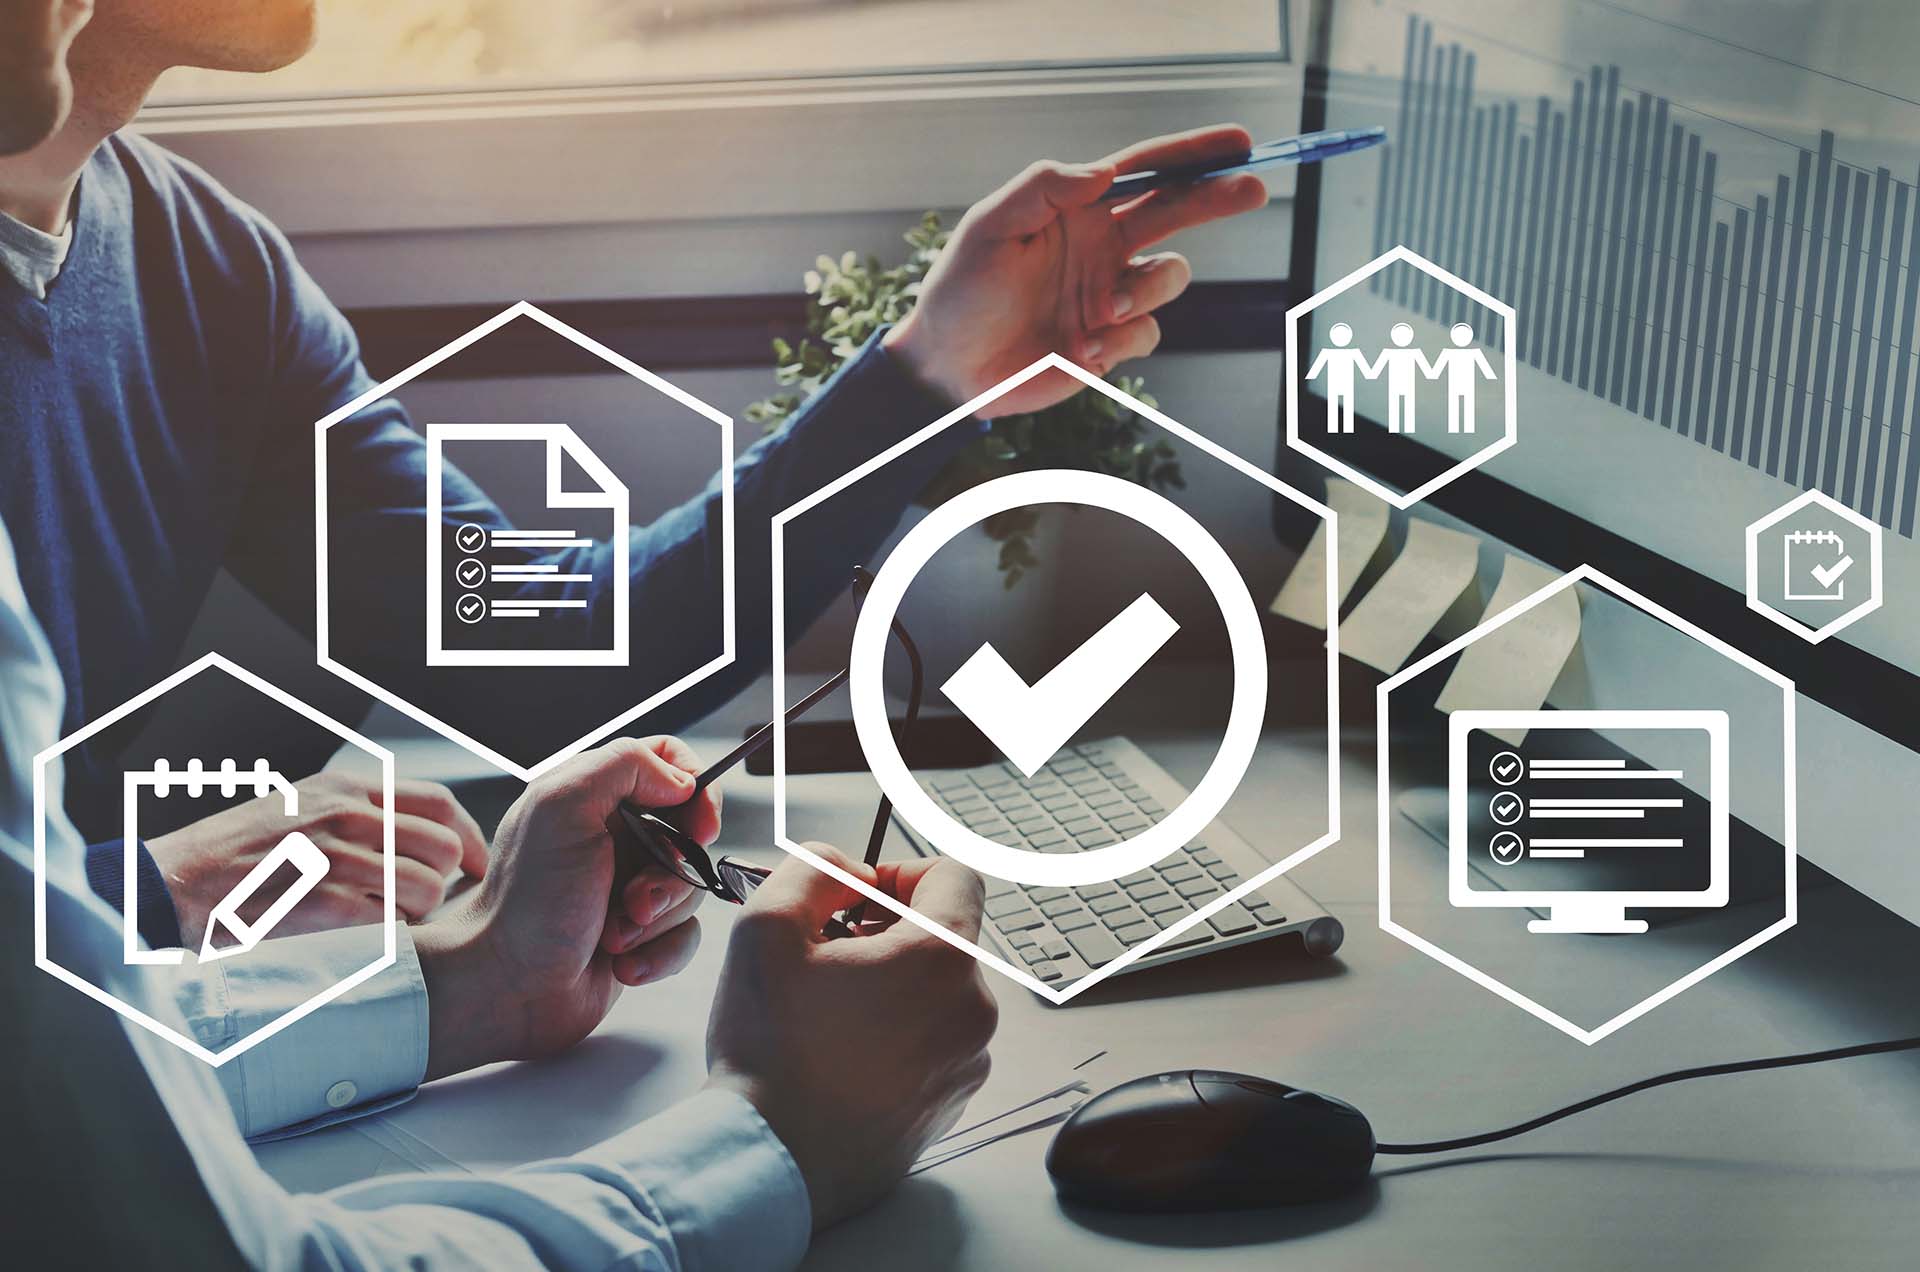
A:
(376, 473)
(154, 914)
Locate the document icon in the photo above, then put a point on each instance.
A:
(1816, 563)
(554, 596)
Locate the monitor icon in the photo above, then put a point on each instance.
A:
(1547, 823)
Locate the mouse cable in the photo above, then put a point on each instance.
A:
(1678, 1075)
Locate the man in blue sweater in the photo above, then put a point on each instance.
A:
(163, 358)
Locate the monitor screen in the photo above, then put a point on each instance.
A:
(1538, 813)
(1708, 226)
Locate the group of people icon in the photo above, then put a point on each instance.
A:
(1343, 366)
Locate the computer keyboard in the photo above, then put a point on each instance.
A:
(1091, 796)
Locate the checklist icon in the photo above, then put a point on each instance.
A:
(520, 596)
(1817, 562)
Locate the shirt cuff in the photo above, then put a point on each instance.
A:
(361, 1053)
(726, 1187)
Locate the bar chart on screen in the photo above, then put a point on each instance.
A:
(1707, 255)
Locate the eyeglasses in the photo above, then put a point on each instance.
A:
(645, 835)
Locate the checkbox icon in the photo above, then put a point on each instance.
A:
(1506, 768)
(470, 608)
(470, 537)
(1506, 848)
(471, 573)
(1507, 808)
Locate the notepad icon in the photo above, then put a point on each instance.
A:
(1816, 566)
(551, 595)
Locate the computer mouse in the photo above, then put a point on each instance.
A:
(1201, 1139)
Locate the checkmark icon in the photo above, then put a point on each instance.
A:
(471, 609)
(1030, 723)
(471, 538)
(470, 573)
(1828, 574)
(1506, 808)
(1507, 768)
(1506, 848)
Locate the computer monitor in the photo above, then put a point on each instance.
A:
(1535, 822)
(1708, 223)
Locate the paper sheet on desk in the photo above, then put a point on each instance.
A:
(1514, 666)
(1432, 572)
(1362, 529)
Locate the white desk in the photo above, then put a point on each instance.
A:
(1793, 1169)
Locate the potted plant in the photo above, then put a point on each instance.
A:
(850, 298)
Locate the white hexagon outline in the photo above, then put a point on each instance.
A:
(1588, 574)
(522, 309)
(44, 760)
(1401, 253)
(1814, 635)
(1054, 361)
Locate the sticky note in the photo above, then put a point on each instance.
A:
(1513, 667)
(1362, 530)
(1433, 570)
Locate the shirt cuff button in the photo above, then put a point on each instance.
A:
(341, 1094)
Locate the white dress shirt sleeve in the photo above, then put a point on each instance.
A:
(137, 1135)
(362, 1053)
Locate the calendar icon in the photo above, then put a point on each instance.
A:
(1816, 566)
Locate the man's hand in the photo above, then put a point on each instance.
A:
(1042, 266)
(858, 1052)
(432, 837)
(529, 962)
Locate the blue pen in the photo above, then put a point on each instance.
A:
(1307, 148)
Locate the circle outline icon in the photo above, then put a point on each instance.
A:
(1493, 848)
(1245, 714)
(1519, 808)
(1493, 768)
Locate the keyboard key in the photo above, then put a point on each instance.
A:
(1107, 799)
(1075, 921)
(1268, 915)
(992, 829)
(1196, 890)
(1045, 839)
(1126, 823)
(950, 782)
(1225, 873)
(1168, 904)
(1199, 934)
(1096, 945)
(1231, 920)
(1138, 876)
(1091, 750)
(1109, 904)
(1000, 888)
(1034, 825)
(1038, 893)
(1149, 888)
(1033, 954)
(1179, 871)
(1059, 905)
(1018, 921)
(1067, 764)
(1080, 825)
(1056, 949)
(1129, 786)
(980, 815)
(1136, 932)
(1147, 804)
(970, 804)
(1096, 839)
(1086, 783)
(1047, 972)
(1008, 903)
(1206, 856)
(1058, 800)
(1089, 891)
(1021, 940)
(1126, 917)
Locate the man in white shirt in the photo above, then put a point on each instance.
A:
(118, 1149)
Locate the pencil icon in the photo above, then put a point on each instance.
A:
(295, 850)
